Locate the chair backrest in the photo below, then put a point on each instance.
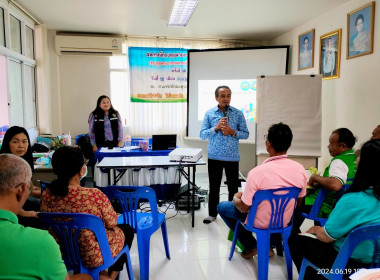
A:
(78, 137)
(368, 233)
(84, 143)
(129, 198)
(278, 199)
(67, 226)
(44, 185)
(345, 187)
(314, 212)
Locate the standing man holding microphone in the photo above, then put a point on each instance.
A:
(223, 126)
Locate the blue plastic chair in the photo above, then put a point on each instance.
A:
(44, 185)
(278, 201)
(369, 233)
(143, 224)
(77, 138)
(66, 227)
(314, 211)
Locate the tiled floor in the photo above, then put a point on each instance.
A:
(201, 252)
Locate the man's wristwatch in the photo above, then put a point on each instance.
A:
(234, 134)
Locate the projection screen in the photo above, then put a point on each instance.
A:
(236, 68)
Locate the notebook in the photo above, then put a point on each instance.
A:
(164, 142)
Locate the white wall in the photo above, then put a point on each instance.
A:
(352, 100)
(76, 83)
(83, 80)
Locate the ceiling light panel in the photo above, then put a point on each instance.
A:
(181, 12)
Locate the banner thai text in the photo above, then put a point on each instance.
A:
(158, 74)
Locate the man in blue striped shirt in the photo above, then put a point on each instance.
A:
(223, 126)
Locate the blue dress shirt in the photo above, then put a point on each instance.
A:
(224, 147)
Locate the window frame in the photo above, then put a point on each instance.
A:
(25, 61)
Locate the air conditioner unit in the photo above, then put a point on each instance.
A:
(88, 45)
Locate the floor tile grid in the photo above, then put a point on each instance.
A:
(200, 252)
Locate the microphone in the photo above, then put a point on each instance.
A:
(226, 110)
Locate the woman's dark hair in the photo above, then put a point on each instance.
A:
(99, 112)
(360, 16)
(367, 174)
(280, 136)
(67, 161)
(11, 132)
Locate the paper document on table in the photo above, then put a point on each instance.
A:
(117, 149)
(308, 234)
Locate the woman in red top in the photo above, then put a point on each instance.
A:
(65, 195)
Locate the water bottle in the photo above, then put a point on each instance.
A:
(127, 141)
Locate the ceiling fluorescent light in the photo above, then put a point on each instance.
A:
(182, 11)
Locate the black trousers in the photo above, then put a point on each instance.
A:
(215, 174)
(129, 234)
(320, 254)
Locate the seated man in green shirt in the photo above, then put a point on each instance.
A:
(341, 168)
(359, 206)
(28, 253)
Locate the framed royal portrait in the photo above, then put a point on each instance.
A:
(360, 31)
(329, 55)
(306, 50)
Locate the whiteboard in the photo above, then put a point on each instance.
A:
(296, 101)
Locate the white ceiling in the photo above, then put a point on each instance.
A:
(256, 20)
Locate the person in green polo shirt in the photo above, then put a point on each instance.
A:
(27, 253)
(359, 206)
(341, 168)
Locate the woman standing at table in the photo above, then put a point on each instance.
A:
(105, 127)
(16, 141)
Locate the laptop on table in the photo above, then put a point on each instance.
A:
(164, 142)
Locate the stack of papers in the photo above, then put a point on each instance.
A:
(118, 149)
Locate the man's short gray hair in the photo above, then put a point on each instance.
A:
(14, 170)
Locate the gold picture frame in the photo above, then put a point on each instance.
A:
(329, 55)
(360, 31)
(306, 50)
